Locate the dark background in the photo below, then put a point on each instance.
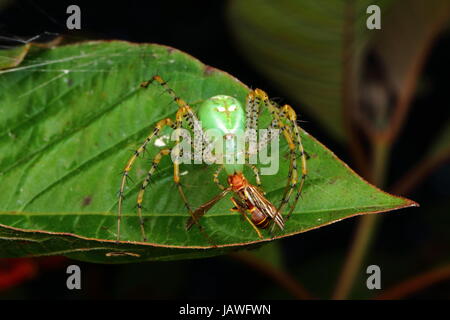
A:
(200, 28)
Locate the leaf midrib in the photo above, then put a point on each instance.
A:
(104, 213)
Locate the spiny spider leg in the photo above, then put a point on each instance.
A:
(289, 115)
(291, 133)
(191, 119)
(184, 112)
(255, 99)
(182, 105)
(293, 171)
(256, 173)
(159, 126)
(292, 117)
(292, 165)
(155, 163)
(251, 121)
(279, 124)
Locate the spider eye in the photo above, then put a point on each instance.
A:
(232, 108)
(221, 109)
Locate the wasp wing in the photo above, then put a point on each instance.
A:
(200, 212)
(265, 206)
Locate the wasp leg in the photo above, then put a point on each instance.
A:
(239, 206)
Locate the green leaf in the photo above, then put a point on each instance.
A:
(314, 51)
(70, 118)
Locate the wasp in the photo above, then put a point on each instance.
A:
(250, 201)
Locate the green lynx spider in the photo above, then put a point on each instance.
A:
(227, 113)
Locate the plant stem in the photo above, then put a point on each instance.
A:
(418, 173)
(416, 283)
(366, 227)
(381, 152)
(284, 279)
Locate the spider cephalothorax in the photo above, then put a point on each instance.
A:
(226, 115)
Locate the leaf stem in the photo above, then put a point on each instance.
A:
(366, 226)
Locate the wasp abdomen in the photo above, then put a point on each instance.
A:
(259, 219)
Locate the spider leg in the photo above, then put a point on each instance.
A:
(288, 114)
(140, 197)
(251, 125)
(253, 102)
(159, 126)
(278, 115)
(187, 114)
(293, 171)
(184, 112)
(251, 120)
(183, 107)
(181, 113)
(292, 117)
(216, 177)
(256, 173)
